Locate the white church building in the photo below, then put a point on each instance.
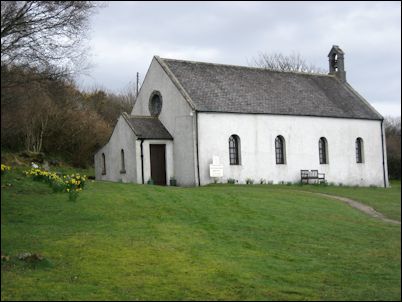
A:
(259, 124)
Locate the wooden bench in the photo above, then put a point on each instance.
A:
(306, 175)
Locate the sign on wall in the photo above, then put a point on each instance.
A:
(215, 169)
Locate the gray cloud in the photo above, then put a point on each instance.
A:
(126, 35)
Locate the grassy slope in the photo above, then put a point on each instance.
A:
(389, 203)
(128, 242)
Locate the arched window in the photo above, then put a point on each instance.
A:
(103, 164)
(123, 164)
(359, 150)
(280, 150)
(323, 150)
(234, 150)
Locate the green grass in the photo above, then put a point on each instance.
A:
(386, 201)
(220, 242)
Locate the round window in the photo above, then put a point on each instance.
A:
(155, 104)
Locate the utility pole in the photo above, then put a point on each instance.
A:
(138, 77)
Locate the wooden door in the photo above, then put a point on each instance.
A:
(158, 164)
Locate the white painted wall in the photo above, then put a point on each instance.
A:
(122, 138)
(176, 117)
(258, 132)
(147, 159)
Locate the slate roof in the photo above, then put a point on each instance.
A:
(147, 127)
(237, 89)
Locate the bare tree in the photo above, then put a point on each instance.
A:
(44, 35)
(129, 94)
(280, 62)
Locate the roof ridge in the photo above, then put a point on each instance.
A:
(251, 67)
(371, 107)
(142, 116)
(175, 81)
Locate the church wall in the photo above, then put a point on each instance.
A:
(176, 116)
(122, 138)
(258, 132)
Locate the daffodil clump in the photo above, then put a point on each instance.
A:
(74, 184)
(71, 184)
(43, 175)
(5, 168)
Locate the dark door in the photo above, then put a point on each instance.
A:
(158, 164)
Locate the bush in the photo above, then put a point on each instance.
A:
(249, 181)
(5, 168)
(231, 181)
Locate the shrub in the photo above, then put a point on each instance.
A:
(5, 168)
(263, 181)
(249, 181)
(231, 180)
(289, 183)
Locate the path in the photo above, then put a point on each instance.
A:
(357, 205)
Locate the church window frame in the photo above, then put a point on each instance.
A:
(155, 103)
(359, 147)
(323, 150)
(234, 150)
(123, 162)
(103, 164)
(280, 151)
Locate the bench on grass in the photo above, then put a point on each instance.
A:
(306, 175)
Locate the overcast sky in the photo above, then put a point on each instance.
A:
(126, 35)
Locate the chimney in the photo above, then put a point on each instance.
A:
(336, 63)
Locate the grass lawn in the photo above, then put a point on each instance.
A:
(220, 242)
(389, 203)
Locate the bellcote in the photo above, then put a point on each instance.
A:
(336, 63)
